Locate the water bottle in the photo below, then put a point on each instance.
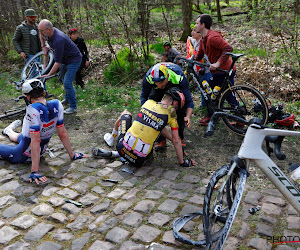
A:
(254, 210)
(206, 87)
(215, 92)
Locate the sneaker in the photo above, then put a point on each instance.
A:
(204, 120)
(160, 145)
(70, 111)
(101, 153)
(48, 95)
(64, 101)
(11, 127)
(109, 139)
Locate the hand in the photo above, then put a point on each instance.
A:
(214, 66)
(187, 121)
(78, 156)
(22, 54)
(188, 163)
(43, 76)
(37, 176)
(45, 50)
(87, 63)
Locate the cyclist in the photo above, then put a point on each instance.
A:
(170, 54)
(160, 78)
(135, 141)
(39, 123)
(215, 47)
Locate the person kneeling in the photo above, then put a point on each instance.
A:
(38, 126)
(135, 141)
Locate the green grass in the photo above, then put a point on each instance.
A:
(157, 48)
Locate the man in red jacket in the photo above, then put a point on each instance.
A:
(215, 47)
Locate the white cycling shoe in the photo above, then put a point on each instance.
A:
(109, 139)
(11, 127)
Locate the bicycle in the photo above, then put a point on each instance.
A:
(35, 66)
(225, 188)
(250, 102)
(21, 109)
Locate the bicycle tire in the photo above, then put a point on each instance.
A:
(34, 69)
(212, 222)
(250, 104)
(234, 208)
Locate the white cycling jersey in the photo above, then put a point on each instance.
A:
(41, 119)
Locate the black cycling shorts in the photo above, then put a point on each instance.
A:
(128, 155)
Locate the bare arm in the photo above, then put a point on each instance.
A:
(35, 151)
(64, 137)
(165, 133)
(187, 118)
(177, 145)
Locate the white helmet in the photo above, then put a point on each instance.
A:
(31, 84)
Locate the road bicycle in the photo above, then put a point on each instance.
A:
(225, 188)
(241, 100)
(20, 109)
(34, 68)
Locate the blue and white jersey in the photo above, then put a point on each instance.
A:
(41, 119)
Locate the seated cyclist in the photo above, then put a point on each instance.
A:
(38, 126)
(170, 54)
(135, 141)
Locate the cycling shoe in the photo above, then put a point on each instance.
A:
(101, 153)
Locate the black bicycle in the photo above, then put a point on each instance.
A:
(240, 100)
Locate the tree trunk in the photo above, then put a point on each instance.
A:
(143, 20)
(219, 11)
(297, 6)
(186, 6)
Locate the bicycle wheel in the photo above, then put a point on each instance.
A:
(219, 204)
(244, 101)
(35, 66)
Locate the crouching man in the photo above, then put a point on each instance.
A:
(38, 126)
(135, 141)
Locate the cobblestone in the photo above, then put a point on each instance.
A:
(136, 213)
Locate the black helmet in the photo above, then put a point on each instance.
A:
(32, 84)
(167, 44)
(177, 95)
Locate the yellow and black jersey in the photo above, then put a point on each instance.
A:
(148, 124)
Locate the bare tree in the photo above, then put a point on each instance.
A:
(219, 11)
(187, 8)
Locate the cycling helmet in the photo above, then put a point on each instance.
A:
(167, 44)
(32, 84)
(177, 95)
(286, 120)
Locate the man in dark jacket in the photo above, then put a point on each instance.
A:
(157, 81)
(26, 38)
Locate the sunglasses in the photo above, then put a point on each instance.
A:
(32, 16)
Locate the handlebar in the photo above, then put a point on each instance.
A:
(277, 140)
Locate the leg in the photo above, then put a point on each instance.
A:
(68, 85)
(13, 153)
(9, 130)
(109, 138)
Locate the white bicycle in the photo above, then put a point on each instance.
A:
(225, 189)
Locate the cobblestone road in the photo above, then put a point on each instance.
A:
(135, 213)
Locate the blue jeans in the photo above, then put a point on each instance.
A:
(69, 77)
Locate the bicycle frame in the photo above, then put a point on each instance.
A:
(251, 150)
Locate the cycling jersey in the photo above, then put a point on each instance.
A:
(176, 79)
(136, 143)
(40, 119)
